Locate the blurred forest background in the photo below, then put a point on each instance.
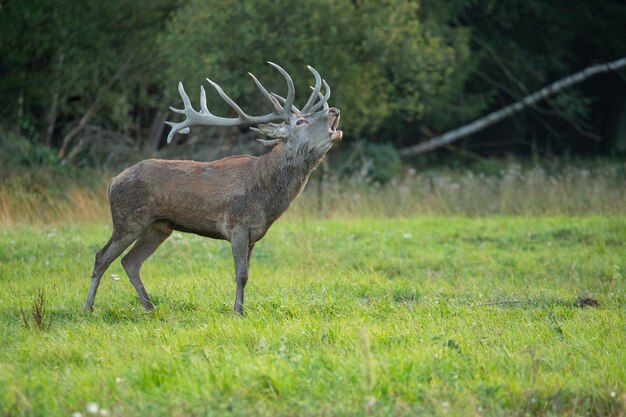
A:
(86, 85)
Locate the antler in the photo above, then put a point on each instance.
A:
(280, 112)
(206, 118)
(310, 105)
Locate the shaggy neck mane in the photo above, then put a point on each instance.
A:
(284, 171)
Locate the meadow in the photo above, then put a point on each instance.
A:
(367, 308)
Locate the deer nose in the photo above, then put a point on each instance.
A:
(333, 111)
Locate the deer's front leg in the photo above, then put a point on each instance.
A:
(240, 243)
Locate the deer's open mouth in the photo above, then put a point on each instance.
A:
(333, 133)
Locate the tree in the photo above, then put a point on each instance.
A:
(510, 110)
(388, 67)
(56, 57)
(519, 46)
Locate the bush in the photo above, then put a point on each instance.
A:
(370, 162)
(18, 153)
(30, 165)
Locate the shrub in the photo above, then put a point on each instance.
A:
(371, 162)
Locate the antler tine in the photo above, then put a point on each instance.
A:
(322, 102)
(229, 101)
(182, 131)
(182, 127)
(283, 100)
(203, 107)
(326, 107)
(316, 90)
(291, 90)
(266, 94)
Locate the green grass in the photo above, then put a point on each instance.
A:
(423, 316)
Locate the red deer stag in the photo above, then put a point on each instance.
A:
(236, 198)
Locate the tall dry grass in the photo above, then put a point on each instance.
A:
(25, 204)
(513, 190)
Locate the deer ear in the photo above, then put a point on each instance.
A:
(273, 130)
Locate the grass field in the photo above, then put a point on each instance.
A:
(421, 316)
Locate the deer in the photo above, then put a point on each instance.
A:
(236, 198)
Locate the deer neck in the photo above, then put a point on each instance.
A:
(285, 170)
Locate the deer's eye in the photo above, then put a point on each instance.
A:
(300, 121)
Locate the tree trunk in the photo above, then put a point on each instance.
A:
(156, 132)
(53, 113)
(51, 120)
(67, 139)
(496, 116)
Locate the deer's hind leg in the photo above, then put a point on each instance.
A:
(145, 246)
(109, 252)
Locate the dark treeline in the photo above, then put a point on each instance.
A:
(92, 81)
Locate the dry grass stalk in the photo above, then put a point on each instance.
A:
(39, 318)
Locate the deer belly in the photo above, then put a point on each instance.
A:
(207, 229)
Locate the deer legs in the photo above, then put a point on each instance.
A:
(242, 249)
(132, 261)
(109, 252)
(145, 246)
(147, 243)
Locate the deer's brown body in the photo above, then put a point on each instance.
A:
(236, 198)
(208, 198)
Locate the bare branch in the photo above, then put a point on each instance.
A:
(67, 139)
(496, 116)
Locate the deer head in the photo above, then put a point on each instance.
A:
(313, 127)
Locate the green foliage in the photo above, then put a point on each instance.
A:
(574, 106)
(401, 70)
(520, 46)
(18, 154)
(386, 67)
(58, 56)
(33, 179)
(377, 162)
(404, 317)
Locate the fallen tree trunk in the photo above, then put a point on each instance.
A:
(479, 124)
